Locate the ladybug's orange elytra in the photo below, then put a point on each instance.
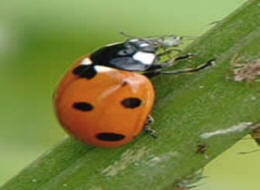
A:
(108, 110)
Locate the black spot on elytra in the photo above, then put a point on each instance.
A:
(131, 102)
(85, 71)
(83, 106)
(110, 136)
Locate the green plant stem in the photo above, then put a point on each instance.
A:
(208, 108)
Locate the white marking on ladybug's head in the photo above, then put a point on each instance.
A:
(144, 45)
(86, 61)
(144, 57)
(100, 68)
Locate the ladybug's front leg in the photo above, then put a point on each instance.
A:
(174, 61)
(156, 69)
(148, 128)
(176, 72)
(211, 62)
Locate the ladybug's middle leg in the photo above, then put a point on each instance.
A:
(148, 128)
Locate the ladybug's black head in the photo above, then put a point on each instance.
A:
(133, 55)
(137, 54)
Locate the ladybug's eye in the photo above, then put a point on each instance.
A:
(127, 51)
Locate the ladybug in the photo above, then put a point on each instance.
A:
(107, 97)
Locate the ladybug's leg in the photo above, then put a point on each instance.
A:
(170, 62)
(151, 132)
(199, 68)
(167, 52)
(155, 69)
(174, 61)
(148, 128)
(153, 73)
(150, 120)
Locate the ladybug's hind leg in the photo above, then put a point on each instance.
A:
(148, 128)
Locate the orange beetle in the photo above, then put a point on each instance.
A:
(106, 98)
(109, 110)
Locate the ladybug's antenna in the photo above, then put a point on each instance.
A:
(127, 35)
(166, 41)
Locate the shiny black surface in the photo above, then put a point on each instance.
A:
(120, 56)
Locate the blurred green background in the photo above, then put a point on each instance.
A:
(40, 39)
